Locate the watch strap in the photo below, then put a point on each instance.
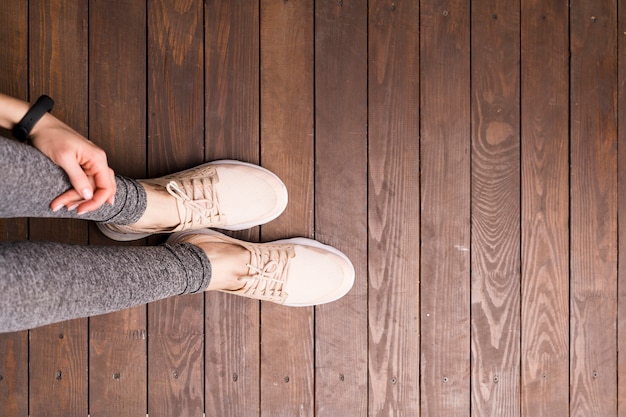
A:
(22, 130)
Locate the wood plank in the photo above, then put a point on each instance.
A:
(14, 81)
(175, 82)
(340, 194)
(232, 370)
(117, 123)
(394, 209)
(621, 213)
(495, 208)
(593, 193)
(175, 142)
(545, 212)
(445, 205)
(14, 374)
(287, 357)
(58, 67)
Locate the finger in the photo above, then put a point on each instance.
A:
(92, 205)
(78, 177)
(67, 199)
(105, 189)
(111, 199)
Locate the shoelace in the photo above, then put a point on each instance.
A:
(204, 211)
(269, 268)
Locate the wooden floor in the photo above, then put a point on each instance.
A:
(469, 157)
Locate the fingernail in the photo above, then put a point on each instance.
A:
(57, 207)
(112, 201)
(87, 194)
(72, 207)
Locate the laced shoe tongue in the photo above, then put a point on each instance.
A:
(269, 271)
(197, 202)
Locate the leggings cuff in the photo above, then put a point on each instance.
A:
(134, 201)
(196, 265)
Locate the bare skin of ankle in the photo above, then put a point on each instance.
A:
(228, 261)
(228, 265)
(161, 210)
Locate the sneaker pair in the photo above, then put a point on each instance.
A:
(234, 195)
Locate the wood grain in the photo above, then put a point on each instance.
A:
(445, 208)
(283, 83)
(232, 369)
(621, 210)
(58, 67)
(58, 369)
(175, 142)
(495, 208)
(593, 224)
(394, 209)
(117, 123)
(545, 209)
(14, 82)
(341, 194)
(287, 349)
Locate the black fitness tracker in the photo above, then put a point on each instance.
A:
(22, 130)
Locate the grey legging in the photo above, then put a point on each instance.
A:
(46, 282)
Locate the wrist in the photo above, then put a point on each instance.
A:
(46, 121)
(23, 129)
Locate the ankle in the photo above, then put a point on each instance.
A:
(161, 210)
(228, 265)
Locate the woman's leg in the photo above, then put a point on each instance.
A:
(29, 181)
(226, 194)
(44, 282)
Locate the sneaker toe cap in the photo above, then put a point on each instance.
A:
(318, 275)
(249, 195)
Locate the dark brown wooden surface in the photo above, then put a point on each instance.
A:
(621, 213)
(14, 81)
(394, 152)
(287, 148)
(58, 66)
(495, 208)
(593, 199)
(445, 140)
(232, 132)
(340, 192)
(545, 237)
(454, 150)
(175, 142)
(117, 82)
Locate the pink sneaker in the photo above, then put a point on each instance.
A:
(226, 194)
(293, 272)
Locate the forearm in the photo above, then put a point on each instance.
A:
(11, 111)
(85, 163)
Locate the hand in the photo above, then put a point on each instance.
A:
(85, 164)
